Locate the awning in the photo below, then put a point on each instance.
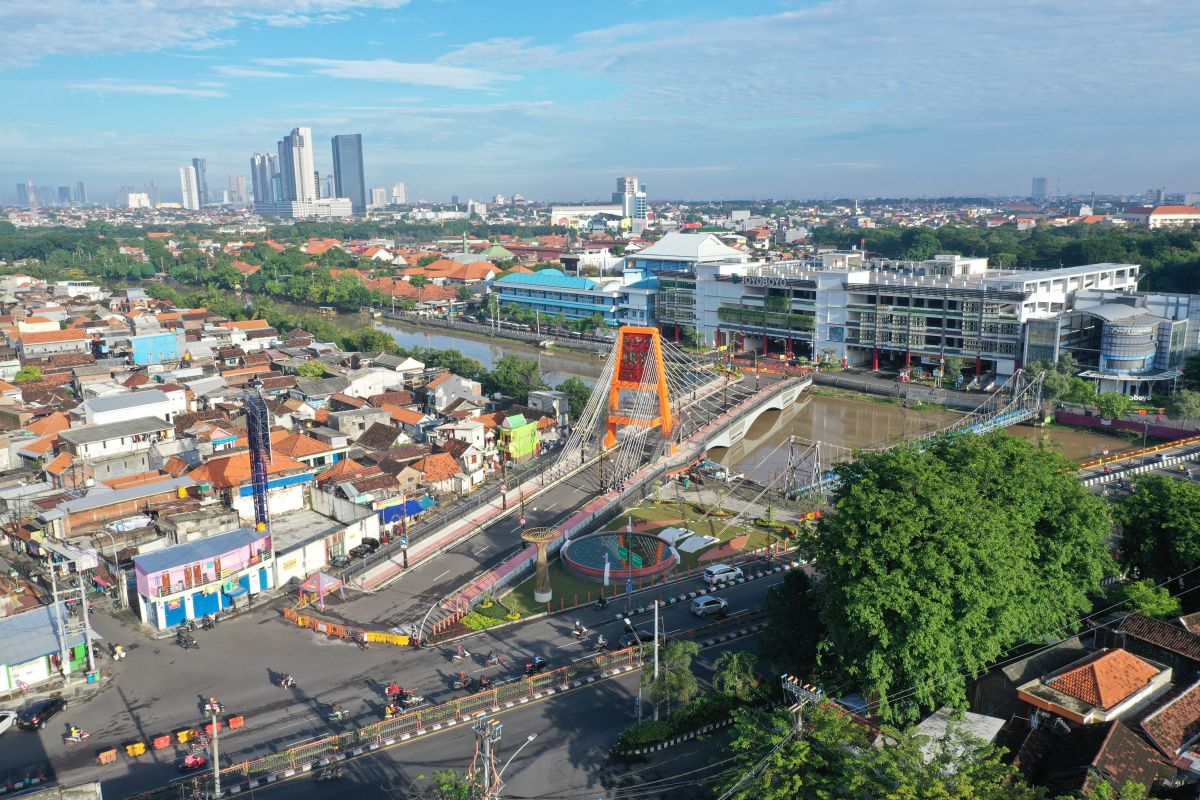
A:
(409, 508)
(101, 582)
(237, 591)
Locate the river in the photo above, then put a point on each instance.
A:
(845, 422)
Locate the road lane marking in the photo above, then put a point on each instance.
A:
(480, 550)
(447, 572)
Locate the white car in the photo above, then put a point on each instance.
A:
(7, 720)
(721, 573)
(709, 604)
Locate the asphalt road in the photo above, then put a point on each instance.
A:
(567, 761)
(160, 687)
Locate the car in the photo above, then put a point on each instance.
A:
(337, 562)
(643, 636)
(7, 718)
(34, 716)
(371, 542)
(721, 573)
(709, 604)
(360, 552)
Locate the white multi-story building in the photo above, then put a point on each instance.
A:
(1162, 216)
(189, 187)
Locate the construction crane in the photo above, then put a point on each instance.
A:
(258, 428)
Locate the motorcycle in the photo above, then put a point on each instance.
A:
(600, 646)
(464, 681)
(209, 622)
(485, 682)
(338, 714)
(331, 773)
(189, 625)
(579, 632)
(460, 656)
(192, 762)
(494, 660)
(537, 665)
(286, 681)
(410, 698)
(187, 642)
(76, 738)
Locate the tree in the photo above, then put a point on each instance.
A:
(937, 559)
(1113, 405)
(1186, 403)
(312, 370)
(954, 368)
(1160, 528)
(1149, 600)
(446, 784)
(28, 373)
(1128, 791)
(514, 377)
(734, 674)
(1080, 390)
(425, 261)
(577, 393)
(1191, 370)
(793, 627)
(675, 683)
(419, 283)
(368, 340)
(833, 759)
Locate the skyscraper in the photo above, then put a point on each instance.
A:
(201, 180)
(296, 166)
(64, 195)
(237, 190)
(348, 178)
(27, 195)
(153, 196)
(1039, 189)
(264, 168)
(631, 196)
(378, 197)
(399, 194)
(80, 192)
(123, 196)
(189, 188)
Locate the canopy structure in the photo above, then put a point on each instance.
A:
(320, 585)
(409, 508)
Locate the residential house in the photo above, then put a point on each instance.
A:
(305, 540)
(130, 405)
(230, 477)
(40, 345)
(316, 393)
(1098, 688)
(188, 581)
(441, 474)
(517, 438)
(355, 422)
(31, 647)
(445, 388)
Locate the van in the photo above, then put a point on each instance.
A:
(721, 573)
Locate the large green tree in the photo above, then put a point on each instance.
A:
(937, 559)
(514, 377)
(676, 683)
(1160, 528)
(577, 393)
(793, 627)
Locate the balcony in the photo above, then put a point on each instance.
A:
(207, 579)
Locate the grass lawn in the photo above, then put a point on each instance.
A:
(565, 587)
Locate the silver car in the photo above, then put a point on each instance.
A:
(709, 604)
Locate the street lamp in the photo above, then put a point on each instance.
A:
(633, 630)
(496, 794)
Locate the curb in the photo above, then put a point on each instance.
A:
(641, 751)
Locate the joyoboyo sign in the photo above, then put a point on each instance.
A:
(765, 280)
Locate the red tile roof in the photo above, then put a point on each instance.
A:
(1171, 638)
(438, 467)
(68, 335)
(1176, 722)
(229, 471)
(1106, 679)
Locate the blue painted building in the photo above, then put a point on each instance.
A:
(154, 348)
(552, 291)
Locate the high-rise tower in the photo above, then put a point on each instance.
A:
(348, 171)
(298, 178)
(198, 164)
(188, 188)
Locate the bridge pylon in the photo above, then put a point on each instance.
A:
(638, 393)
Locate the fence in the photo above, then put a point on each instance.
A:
(343, 631)
(405, 726)
(1145, 451)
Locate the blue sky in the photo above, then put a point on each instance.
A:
(700, 99)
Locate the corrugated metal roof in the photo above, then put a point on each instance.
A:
(548, 277)
(33, 634)
(97, 497)
(113, 430)
(127, 400)
(199, 550)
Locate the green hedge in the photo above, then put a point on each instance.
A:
(786, 528)
(708, 708)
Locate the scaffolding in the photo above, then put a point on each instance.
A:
(258, 427)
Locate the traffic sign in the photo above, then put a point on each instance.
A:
(637, 561)
(622, 552)
(629, 584)
(522, 521)
(403, 540)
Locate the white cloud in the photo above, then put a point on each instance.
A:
(118, 86)
(385, 69)
(31, 31)
(234, 71)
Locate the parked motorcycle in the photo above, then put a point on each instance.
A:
(186, 626)
(187, 641)
(209, 622)
(331, 773)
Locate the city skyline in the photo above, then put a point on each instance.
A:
(699, 102)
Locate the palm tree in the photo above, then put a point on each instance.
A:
(734, 674)
(675, 681)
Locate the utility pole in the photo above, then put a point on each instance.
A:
(216, 754)
(656, 652)
(487, 733)
(802, 694)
